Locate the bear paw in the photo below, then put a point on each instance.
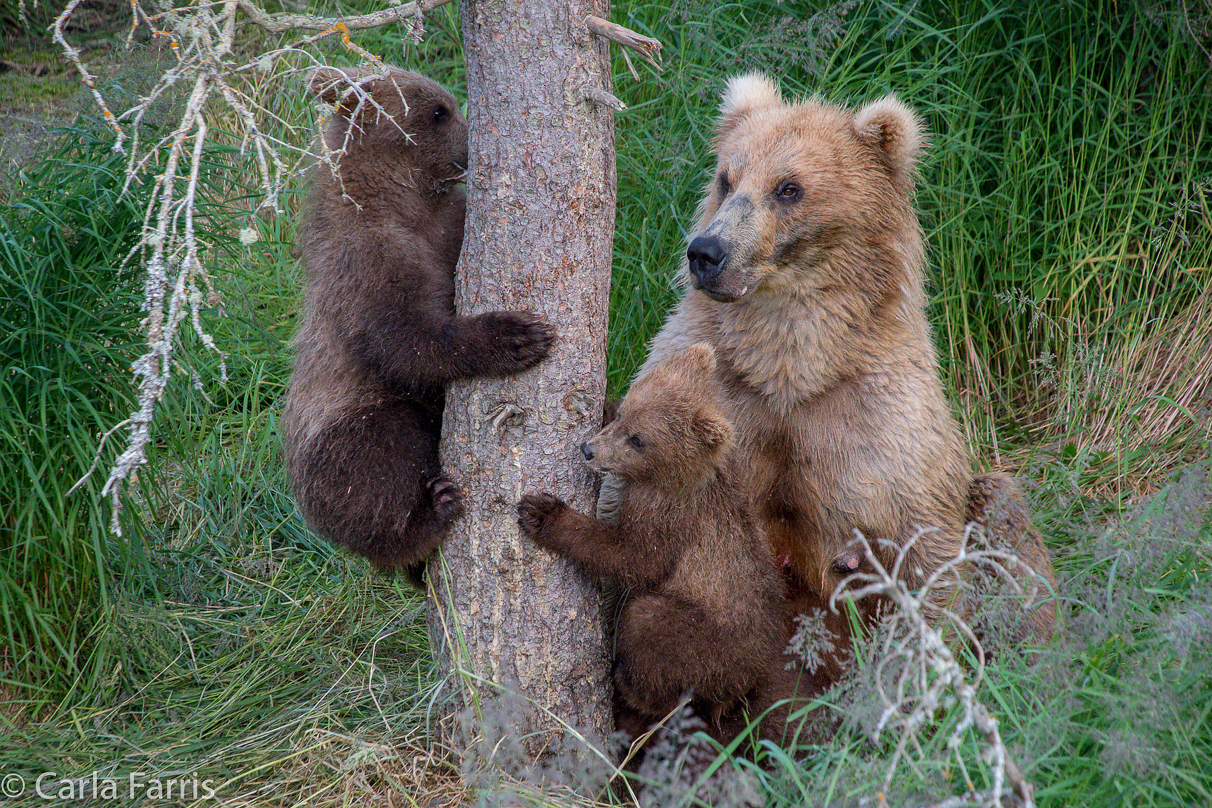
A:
(524, 337)
(640, 694)
(446, 498)
(536, 512)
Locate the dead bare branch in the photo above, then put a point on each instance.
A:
(281, 23)
(917, 675)
(648, 48)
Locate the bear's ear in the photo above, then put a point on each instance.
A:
(326, 83)
(330, 83)
(699, 359)
(713, 429)
(746, 94)
(895, 132)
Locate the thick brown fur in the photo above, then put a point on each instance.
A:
(807, 273)
(705, 609)
(996, 505)
(379, 337)
(787, 684)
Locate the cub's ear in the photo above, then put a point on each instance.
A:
(326, 83)
(329, 83)
(698, 358)
(895, 132)
(745, 94)
(713, 429)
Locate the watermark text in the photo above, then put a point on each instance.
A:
(102, 787)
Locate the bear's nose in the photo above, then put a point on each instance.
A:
(706, 257)
(587, 450)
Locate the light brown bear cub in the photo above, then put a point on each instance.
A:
(379, 337)
(704, 611)
(807, 273)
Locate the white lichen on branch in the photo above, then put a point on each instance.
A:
(916, 676)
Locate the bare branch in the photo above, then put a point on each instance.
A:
(280, 23)
(607, 99)
(916, 674)
(73, 56)
(648, 48)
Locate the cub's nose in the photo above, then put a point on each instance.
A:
(587, 450)
(706, 256)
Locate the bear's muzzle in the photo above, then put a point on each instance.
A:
(707, 258)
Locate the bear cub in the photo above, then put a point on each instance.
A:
(704, 609)
(379, 337)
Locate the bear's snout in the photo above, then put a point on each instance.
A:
(587, 450)
(706, 256)
(716, 270)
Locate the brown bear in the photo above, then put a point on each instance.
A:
(704, 610)
(997, 508)
(807, 273)
(379, 336)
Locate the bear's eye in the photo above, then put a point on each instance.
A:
(725, 186)
(638, 441)
(788, 191)
(440, 113)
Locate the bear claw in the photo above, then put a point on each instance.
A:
(535, 511)
(447, 498)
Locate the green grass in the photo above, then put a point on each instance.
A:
(66, 331)
(1064, 200)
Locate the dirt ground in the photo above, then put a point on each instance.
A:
(40, 90)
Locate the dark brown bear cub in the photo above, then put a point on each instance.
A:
(704, 611)
(379, 337)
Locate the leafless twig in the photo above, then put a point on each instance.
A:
(281, 23)
(648, 48)
(917, 675)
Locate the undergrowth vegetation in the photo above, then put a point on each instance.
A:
(1065, 202)
(66, 320)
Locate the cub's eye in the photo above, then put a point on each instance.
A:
(788, 191)
(638, 441)
(440, 113)
(725, 186)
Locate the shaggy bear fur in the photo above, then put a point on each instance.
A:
(704, 611)
(1004, 602)
(379, 337)
(807, 274)
(997, 507)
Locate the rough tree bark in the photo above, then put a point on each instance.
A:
(540, 220)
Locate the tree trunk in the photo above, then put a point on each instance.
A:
(540, 221)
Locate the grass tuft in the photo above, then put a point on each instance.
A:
(66, 329)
